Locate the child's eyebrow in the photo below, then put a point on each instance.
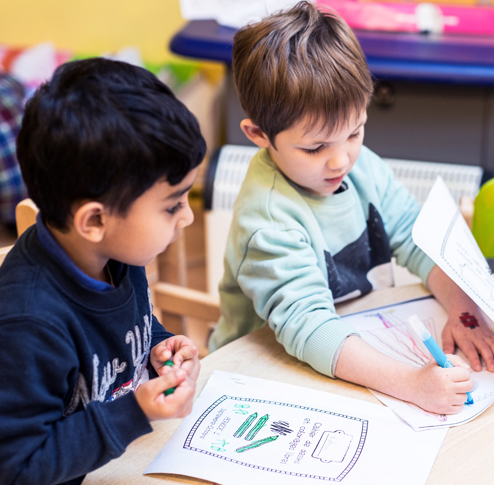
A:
(325, 142)
(179, 193)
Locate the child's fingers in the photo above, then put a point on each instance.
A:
(457, 361)
(472, 355)
(171, 379)
(457, 374)
(180, 402)
(485, 350)
(165, 354)
(462, 387)
(152, 400)
(459, 399)
(457, 408)
(187, 352)
(165, 369)
(159, 354)
(448, 341)
(192, 367)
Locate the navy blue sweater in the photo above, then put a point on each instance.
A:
(71, 356)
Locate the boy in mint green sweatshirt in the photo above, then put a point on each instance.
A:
(319, 216)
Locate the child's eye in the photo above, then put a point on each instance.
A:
(175, 208)
(314, 151)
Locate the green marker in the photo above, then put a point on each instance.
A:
(169, 363)
(240, 431)
(256, 444)
(258, 426)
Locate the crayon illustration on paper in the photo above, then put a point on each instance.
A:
(241, 430)
(393, 336)
(387, 330)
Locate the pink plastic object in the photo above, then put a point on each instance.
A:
(401, 17)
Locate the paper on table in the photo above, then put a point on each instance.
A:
(232, 13)
(245, 430)
(442, 233)
(387, 330)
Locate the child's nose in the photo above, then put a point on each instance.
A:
(338, 161)
(187, 216)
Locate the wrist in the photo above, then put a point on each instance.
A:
(411, 383)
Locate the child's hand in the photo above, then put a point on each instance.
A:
(156, 405)
(471, 334)
(184, 354)
(443, 391)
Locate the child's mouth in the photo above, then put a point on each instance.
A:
(335, 180)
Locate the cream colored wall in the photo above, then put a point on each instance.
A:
(92, 27)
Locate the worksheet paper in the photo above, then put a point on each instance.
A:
(387, 329)
(442, 233)
(245, 430)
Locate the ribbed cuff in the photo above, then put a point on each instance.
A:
(425, 268)
(125, 410)
(322, 346)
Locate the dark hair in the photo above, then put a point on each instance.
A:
(300, 64)
(103, 130)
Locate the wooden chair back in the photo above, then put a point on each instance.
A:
(3, 253)
(25, 216)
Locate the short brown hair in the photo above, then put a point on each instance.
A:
(302, 63)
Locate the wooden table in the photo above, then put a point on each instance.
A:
(466, 457)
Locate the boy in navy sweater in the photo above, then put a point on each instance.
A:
(108, 155)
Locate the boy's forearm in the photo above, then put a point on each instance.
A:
(430, 387)
(362, 364)
(466, 327)
(447, 292)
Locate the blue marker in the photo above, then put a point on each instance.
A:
(432, 346)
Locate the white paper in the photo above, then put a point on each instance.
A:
(387, 329)
(308, 436)
(442, 233)
(232, 13)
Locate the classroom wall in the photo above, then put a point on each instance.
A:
(93, 27)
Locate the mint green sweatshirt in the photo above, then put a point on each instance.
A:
(291, 255)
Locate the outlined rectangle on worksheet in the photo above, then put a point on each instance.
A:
(401, 343)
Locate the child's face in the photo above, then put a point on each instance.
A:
(153, 222)
(316, 161)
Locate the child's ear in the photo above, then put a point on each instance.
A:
(90, 221)
(255, 134)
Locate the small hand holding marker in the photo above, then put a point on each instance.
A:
(169, 363)
(436, 351)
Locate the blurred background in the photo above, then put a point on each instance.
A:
(432, 112)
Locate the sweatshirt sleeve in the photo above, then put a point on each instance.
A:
(38, 442)
(399, 211)
(280, 275)
(158, 333)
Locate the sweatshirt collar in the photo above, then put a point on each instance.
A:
(51, 245)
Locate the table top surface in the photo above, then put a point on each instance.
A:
(466, 456)
(390, 55)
